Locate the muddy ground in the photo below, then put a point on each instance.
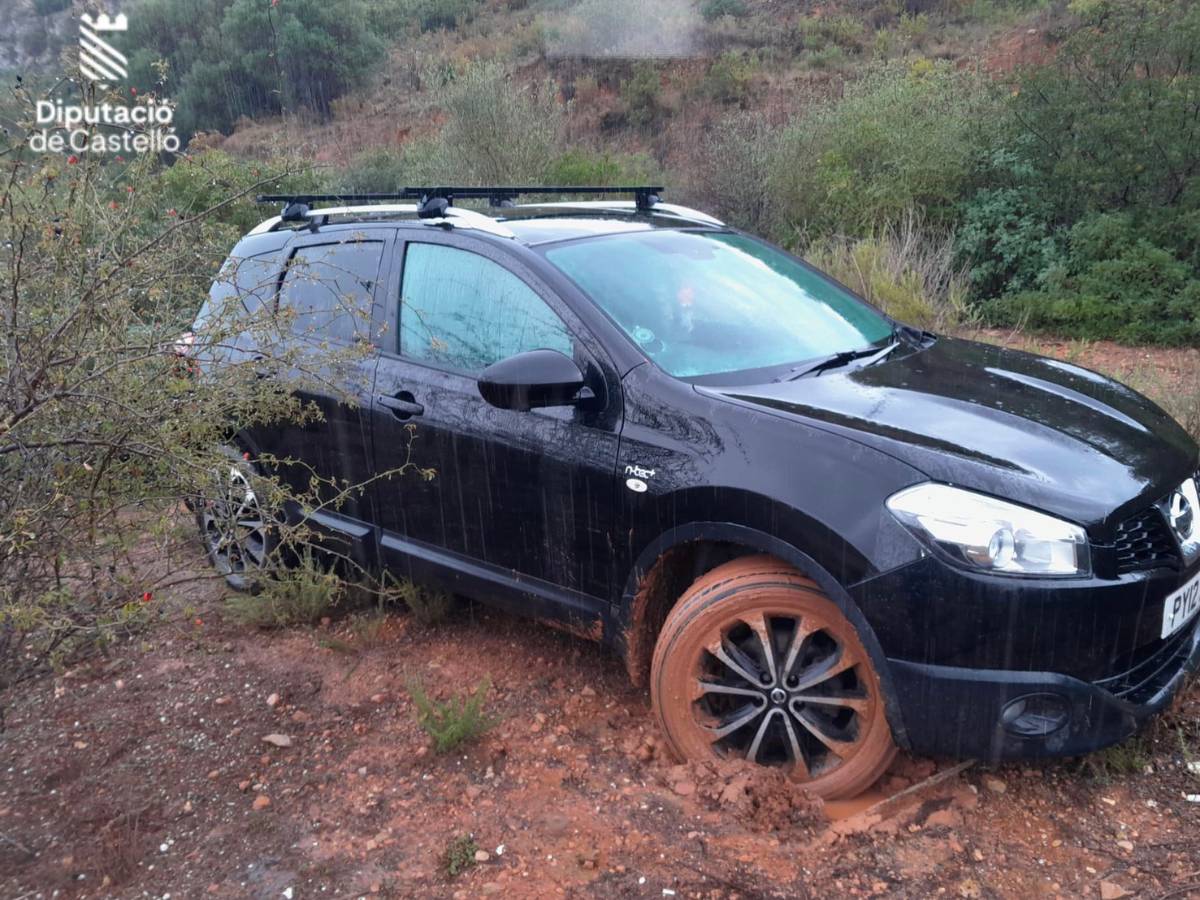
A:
(145, 773)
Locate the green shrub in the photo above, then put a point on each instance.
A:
(232, 58)
(378, 170)
(429, 606)
(587, 167)
(641, 95)
(904, 137)
(818, 32)
(1008, 239)
(1105, 125)
(499, 130)
(302, 595)
(715, 9)
(459, 855)
(729, 78)
(1116, 285)
(453, 722)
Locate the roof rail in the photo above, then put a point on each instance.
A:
(645, 196)
(660, 209)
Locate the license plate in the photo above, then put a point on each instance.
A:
(1180, 607)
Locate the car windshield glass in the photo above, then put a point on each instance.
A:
(713, 303)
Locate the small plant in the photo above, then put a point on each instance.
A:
(429, 606)
(1129, 757)
(459, 855)
(452, 722)
(300, 596)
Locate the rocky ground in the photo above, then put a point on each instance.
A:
(212, 761)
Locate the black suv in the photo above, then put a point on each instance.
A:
(817, 532)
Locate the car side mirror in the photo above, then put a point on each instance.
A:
(533, 379)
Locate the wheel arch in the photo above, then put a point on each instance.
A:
(670, 564)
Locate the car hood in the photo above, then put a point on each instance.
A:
(1033, 430)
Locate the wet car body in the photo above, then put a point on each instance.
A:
(568, 513)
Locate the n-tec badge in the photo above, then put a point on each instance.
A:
(1180, 513)
(639, 472)
(636, 485)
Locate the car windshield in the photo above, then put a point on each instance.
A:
(704, 304)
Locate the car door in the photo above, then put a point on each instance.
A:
(515, 496)
(325, 307)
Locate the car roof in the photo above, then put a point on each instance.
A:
(528, 224)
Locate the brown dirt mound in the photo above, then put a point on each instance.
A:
(761, 798)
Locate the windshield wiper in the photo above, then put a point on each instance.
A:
(842, 358)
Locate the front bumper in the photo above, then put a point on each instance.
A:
(962, 647)
(977, 713)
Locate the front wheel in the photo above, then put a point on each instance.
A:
(755, 662)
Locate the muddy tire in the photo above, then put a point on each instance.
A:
(756, 662)
(238, 534)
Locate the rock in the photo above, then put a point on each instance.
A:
(1110, 890)
(994, 784)
(243, 786)
(273, 701)
(378, 698)
(684, 788)
(1127, 846)
(945, 818)
(262, 801)
(473, 791)
(223, 701)
(301, 717)
(277, 740)
(587, 691)
(490, 887)
(214, 774)
(482, 856)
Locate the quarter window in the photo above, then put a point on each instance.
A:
(462, 311)
(329, 286)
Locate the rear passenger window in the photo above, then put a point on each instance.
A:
(462, 311)
(330, 286)
(243, 287)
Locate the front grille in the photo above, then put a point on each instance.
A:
(1145, 542)
(1155, 668)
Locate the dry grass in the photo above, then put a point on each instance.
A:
(905, 269)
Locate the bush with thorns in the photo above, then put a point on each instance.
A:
(104, 428)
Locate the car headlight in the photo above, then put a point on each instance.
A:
(990, 534)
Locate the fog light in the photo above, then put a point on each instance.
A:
(1035, 715)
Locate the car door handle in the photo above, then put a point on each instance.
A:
(403, 406)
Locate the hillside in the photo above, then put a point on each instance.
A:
(1012, 162)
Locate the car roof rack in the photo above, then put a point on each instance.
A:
(433, 200)
(435, 205)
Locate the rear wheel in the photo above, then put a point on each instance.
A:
(236, 530)
(755, 662)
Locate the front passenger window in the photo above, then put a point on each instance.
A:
(460, 310)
